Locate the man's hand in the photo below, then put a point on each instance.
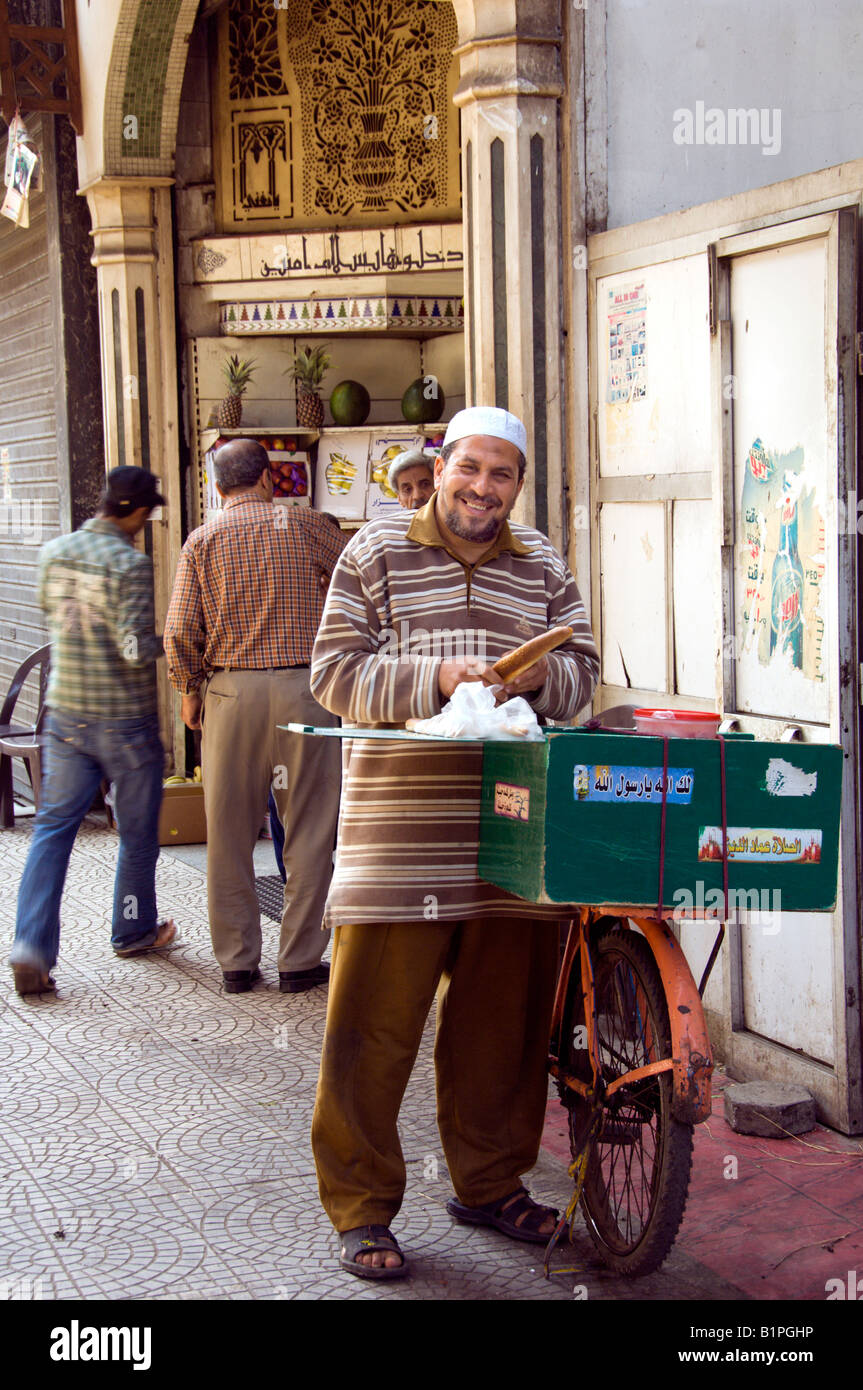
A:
(190, 710)
(452, 673)
(529, 681)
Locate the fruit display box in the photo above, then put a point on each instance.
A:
(577, 819)
(289, 464)
(181, 818)
(384, 447)
(291, 475)
(352, 467)
(342, 473)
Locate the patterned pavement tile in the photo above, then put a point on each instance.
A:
(155, 1142)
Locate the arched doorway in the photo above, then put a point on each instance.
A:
(508, 92)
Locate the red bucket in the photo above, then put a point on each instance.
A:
(677, 723)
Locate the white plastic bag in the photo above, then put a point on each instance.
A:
(472, 713)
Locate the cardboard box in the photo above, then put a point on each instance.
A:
(293, 487)
(385, 446)
(181, 819)
(577, 819)
(342, 473)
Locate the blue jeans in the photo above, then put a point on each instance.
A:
(277, 830)
(80, 752)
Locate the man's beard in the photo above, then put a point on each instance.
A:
(488, 532)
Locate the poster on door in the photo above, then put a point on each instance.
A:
(783, 425)
(781, 562)
(627, 344)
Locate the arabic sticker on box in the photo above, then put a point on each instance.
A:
(761, 846)
(511, 801)
(632, 784)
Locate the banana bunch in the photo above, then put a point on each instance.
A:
(380, 471)
(340, 474)
(183, 781)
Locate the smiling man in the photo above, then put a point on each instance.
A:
(412, 916)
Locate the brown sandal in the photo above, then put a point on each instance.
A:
(364, 1240)
(165, 934)
(517, 1216)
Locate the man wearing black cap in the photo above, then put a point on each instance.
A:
(96, 590)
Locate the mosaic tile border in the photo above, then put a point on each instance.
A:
(441, 314)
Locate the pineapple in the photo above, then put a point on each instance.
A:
(237, 375)
(308, 371)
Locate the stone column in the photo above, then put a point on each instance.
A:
(133, 256)
(509, 93)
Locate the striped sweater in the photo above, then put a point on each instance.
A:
(400, 602)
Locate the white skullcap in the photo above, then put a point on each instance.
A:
(487, 419)
(408, 459)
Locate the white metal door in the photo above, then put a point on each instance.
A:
(723, 439)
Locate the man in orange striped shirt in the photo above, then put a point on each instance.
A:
(246, 605)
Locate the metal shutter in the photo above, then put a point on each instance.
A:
(29, 488)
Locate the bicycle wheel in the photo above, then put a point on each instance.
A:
(640, 1157)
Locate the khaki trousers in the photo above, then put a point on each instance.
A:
(495, 981)
(241, 751)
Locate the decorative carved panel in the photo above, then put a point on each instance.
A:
(260, 150)
(254, 64)
(336, 111)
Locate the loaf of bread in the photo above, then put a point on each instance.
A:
(515, 663)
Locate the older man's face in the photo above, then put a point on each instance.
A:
(478, 486)
(415, 485)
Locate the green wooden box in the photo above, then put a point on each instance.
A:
(577, 819)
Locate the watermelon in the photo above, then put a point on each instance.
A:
(419, 408)
(350, 403)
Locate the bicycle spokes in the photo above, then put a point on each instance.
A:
(618, 1089)
(629, 1137)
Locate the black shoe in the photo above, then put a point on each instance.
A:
(239, 981)
(295, 981)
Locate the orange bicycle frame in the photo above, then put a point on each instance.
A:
(691, 1060)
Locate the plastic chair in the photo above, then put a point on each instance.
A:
(22, 740)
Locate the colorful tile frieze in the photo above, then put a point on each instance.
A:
(444, 314)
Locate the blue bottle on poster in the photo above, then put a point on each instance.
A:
(786, 598)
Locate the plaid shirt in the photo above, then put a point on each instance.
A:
(248, 594)
(96, 590)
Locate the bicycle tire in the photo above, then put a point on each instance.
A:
(640, 1158)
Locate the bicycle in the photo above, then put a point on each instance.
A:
(632, 1061)
(629, 1045)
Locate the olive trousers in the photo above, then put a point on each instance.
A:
(495, 981)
